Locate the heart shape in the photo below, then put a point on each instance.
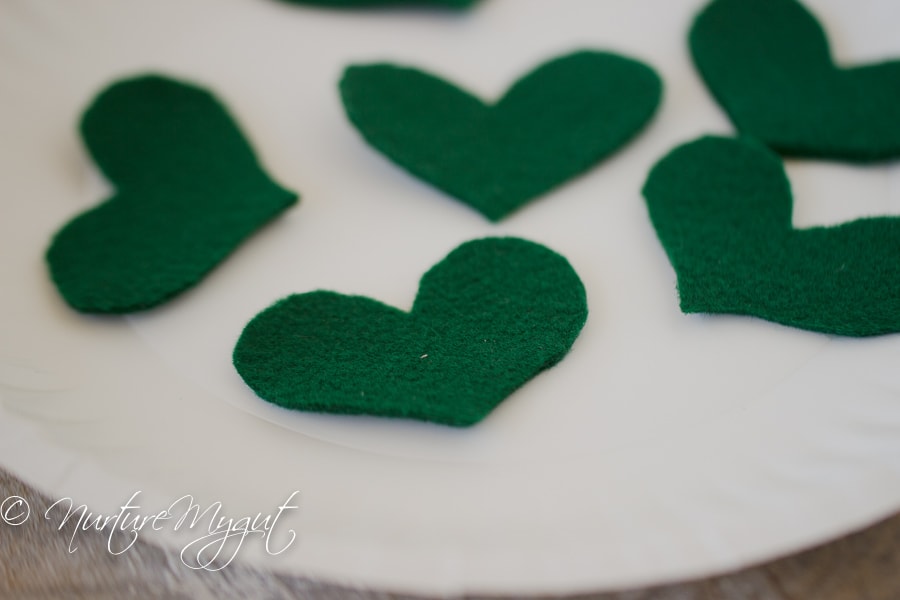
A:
(189, 190)
(553, 124)
(768, 64)
(722, 210)
(487, 318)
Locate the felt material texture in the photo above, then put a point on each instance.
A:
(188, 190)
(722, 210)
(551, 125)
(768, 64)
(487, 318)
(459, 4)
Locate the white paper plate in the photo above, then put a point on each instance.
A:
(662, 447)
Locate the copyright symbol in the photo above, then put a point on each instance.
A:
(14, 510)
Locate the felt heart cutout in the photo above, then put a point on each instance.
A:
(551, 125)
(189, 190)
(487, 318)
(768, 64)
(722, 210)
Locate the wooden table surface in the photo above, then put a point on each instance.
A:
(35, 564)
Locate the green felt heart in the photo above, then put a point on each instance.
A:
(487, 318)
(767, 62)
(188, 191)
(722, 210)
(553, 124)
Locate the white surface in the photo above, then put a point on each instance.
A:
(662, 447)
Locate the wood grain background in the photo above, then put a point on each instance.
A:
(35, 564)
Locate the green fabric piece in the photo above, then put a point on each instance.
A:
(553, 124)
(487, 318)
(722, 210)
(461, 4)
(768, 64)
(188, 190)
